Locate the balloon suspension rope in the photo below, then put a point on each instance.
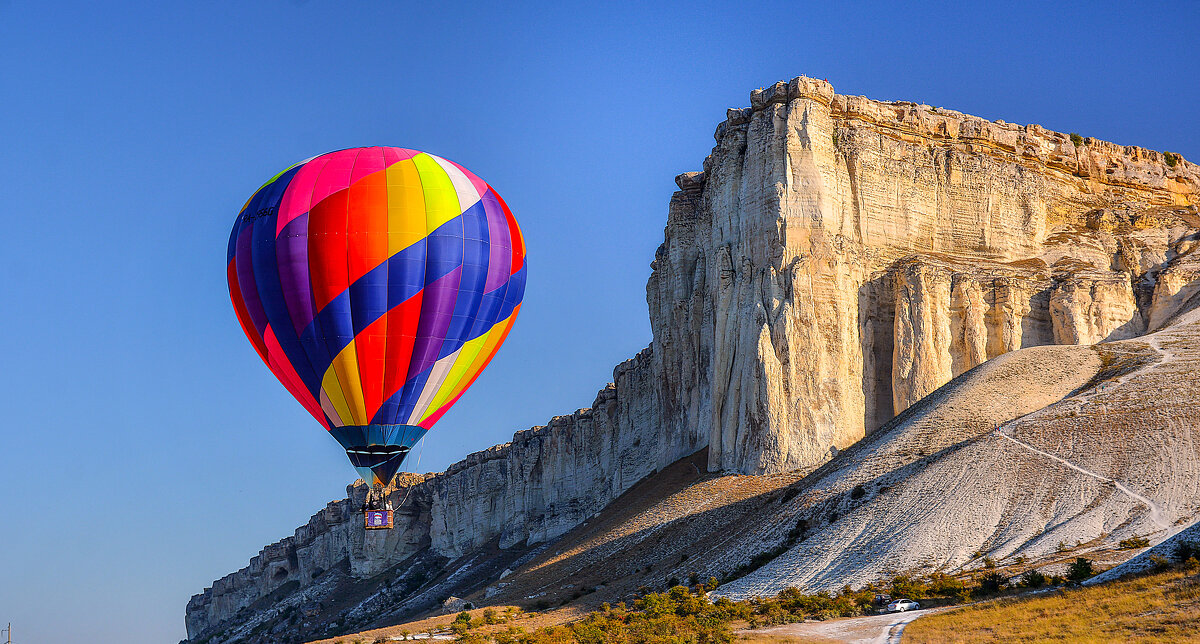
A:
(408, 490)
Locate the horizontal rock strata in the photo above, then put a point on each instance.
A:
(837, 259)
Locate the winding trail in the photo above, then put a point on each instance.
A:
(895, 633)
(1156, 513)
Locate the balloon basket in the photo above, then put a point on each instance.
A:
(378, 519)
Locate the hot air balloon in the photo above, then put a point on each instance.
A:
(376, 284)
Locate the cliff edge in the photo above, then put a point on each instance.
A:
(837, 261)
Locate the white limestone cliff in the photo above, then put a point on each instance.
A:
(533, 489)
(839, 258)
(836, 260)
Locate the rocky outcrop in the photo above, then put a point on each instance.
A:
(839, 258)
(836, 261)
(533, 489)
(548, 480)
(953, 316)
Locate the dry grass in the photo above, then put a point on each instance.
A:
(1163, 607)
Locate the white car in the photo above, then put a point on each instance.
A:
(901, 605)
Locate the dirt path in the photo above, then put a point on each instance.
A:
(876, 629)
(1156, 514)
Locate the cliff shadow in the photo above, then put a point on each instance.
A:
(876, 332)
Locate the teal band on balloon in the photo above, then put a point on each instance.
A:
(377, 451)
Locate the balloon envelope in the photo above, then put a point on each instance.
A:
(376, 283)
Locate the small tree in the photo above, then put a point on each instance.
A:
(1076, 139)
(461, 624)
(992, 582)
(1079, 569)
(1033, 579)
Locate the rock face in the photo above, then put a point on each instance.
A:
(1032, 459)
(1045, 449)
(837, 260)
(545, 482)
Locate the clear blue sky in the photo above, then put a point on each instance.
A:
(147, 451)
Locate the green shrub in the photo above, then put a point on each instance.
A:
(905, 586)
(992, 582)
(1033, 579)
(943, 585)
(1076, 139)
(1079, 569)
(1159, 563)
(1133, 543)
(1171, 158)
(681, 616)
(1186, 550)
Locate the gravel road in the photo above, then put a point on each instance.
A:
(876, 629)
